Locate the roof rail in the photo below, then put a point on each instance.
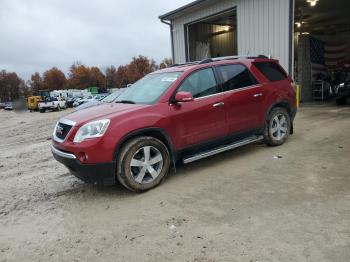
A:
(187, 63)
(214, 59)
(209, 60)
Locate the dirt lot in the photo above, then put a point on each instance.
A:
(242, 205)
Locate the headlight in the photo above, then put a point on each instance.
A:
(91, 130)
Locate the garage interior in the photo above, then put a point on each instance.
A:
(322, 46)
(214, 36)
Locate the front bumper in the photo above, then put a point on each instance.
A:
(101, 174)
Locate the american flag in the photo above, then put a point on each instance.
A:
(325, 55)
(334, 54)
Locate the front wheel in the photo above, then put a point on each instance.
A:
(143, 163)
(277, 127)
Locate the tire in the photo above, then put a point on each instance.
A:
(58, 108)
(133, 163)
(42, 110)
(278, 127)
(340, 101)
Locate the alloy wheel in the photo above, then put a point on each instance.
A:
(279, 127)
(146, 164)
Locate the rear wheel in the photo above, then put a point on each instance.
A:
(58, 108)
(277, 127)
(42, 110)
(143, 163)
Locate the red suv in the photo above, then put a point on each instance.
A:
(186, 112)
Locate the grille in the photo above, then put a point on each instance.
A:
(62, 130)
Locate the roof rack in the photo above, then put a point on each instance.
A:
(209, 60)
(215, 59)
(187, 63)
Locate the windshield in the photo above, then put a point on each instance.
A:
(113, 96)
(149, 89)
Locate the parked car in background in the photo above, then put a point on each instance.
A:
(108, 99)
(52, 103)
(81, 101)
(343, 90)
(183, 113)
(99, 97)
(8, 106)
(2, 105)
(71, 100)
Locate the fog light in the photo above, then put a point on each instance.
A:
(82, 157)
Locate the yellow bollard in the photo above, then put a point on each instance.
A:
(298, 96)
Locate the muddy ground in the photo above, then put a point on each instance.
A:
(288, 203)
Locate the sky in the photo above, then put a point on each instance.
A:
(36, 35)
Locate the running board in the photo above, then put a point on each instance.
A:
(223, 149)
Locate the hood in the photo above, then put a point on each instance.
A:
(106, 110)
(88, 104)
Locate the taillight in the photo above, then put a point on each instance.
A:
(292, 83)
(294, 86)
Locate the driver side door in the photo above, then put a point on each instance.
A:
(202, 119)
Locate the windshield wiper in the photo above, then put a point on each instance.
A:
(126, 102)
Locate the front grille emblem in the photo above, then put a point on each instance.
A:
(59, 130)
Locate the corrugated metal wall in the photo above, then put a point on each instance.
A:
(263, 27)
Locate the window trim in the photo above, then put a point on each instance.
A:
(258, 84)
(216, 77)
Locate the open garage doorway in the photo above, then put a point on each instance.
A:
(214, 36)
(322, 47)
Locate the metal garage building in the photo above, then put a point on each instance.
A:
(310, 38)
(254, 26)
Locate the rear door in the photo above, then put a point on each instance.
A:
(242, 97)
(204, 118)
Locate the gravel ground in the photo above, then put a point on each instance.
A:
(256, 203)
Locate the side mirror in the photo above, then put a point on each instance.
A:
(183, 96)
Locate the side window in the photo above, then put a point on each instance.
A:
(271, 71)
(200, 83)
(236, 76)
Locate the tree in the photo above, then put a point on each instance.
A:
(36, 83)
(10, 86)
(166, 62)
(139, 67)
(54, 79)
(82, 77)
(79, 76)
(121, 76)
(110, 76)
(97, 78)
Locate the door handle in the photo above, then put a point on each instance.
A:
(258, 95)
(218, 104)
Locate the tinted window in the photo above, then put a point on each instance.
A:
(201, 83)
(236, 76)
(271, 70)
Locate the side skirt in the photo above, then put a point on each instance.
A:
(221, 149)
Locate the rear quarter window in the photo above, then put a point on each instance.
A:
(271, 71)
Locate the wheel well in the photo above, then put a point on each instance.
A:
(156, 133)
(282, 105)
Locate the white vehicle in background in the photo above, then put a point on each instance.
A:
(52, 103)
(84, 100)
